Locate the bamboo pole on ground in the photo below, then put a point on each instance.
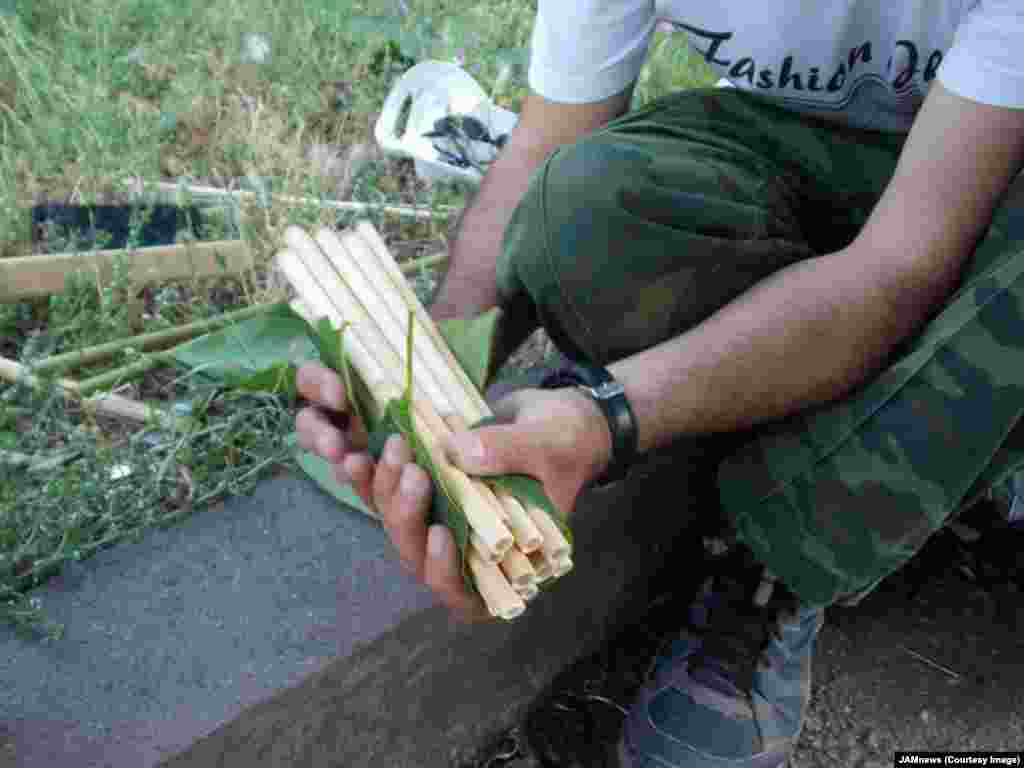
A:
(103, 404)
(168, 191)
(25, 277)
(69, 361)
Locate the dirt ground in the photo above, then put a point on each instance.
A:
(932, 660)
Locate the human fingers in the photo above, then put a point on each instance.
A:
(443, 575)
(357, 470)
(402, 492)
(321, 385)
(316, 433)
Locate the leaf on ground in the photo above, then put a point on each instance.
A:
(279, 379)
(257, 353)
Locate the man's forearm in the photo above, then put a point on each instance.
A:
(470, 285)
(805, 335)
(813, 331)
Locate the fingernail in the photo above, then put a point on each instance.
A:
(332, 397)
(436, 542)
(469, 449)
(412, 483)
(393, 451)
(325, 445)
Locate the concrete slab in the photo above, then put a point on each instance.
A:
(429, 691)
(168, 638)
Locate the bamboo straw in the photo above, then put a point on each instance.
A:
(479, 409)
(480, 515)
(368, 263)
(555, 545)
(517, 569)
(363, 284)
(354, 292)
(526, 533)
(498, 595)
(501, 599)
(541, 566)
(528, 593)
(561, 567)
(492, 544)
(380, 386)
(528, 537)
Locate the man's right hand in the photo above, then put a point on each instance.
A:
(395, 487)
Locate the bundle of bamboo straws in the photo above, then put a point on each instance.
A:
(351, 279)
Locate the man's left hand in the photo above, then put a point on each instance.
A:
(559, 436)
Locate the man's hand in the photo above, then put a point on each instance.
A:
(559, 437)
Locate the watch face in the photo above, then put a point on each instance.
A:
(608, 390)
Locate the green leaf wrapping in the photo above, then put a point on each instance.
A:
(272, 345)
(444, 508)
(259, 353)
(471, 341)
(330, 346)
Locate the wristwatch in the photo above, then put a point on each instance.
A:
(598, 383)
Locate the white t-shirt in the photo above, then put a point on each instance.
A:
(867, 63)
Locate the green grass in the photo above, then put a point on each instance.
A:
(92, 94)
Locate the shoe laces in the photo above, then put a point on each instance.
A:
(742, 615)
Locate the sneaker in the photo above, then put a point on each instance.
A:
(733, 687)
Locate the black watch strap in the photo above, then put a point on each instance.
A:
(611, 399)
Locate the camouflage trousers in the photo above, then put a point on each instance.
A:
(640, 231)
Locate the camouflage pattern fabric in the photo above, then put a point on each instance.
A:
(643, 229)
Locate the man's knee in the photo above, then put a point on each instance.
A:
(558, 247)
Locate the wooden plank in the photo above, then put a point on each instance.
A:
(31, 276)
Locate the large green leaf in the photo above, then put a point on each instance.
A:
(472, 342)
(257, 353)
(263, 352)
(320, 471)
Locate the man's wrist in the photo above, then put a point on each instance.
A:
(594, 433)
